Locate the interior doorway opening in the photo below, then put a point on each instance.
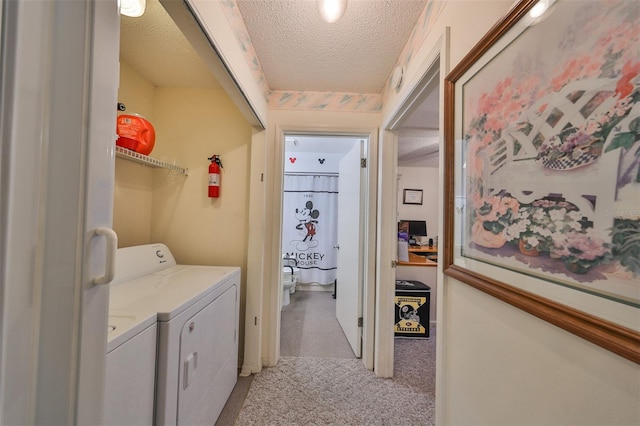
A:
(322, 242)
(417, 216)
(417, 131)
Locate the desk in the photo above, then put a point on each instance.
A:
(423, 249)
(418, 260)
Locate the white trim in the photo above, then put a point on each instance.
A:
(257, 245)
(445, 54)
(386, 252)
(273, 257)
(434, 69)
(370, 240)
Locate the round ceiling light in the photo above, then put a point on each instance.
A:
(132, 8)
(331, 10)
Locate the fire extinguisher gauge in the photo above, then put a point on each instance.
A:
(216, 159)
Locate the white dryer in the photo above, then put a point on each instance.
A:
(197, 312)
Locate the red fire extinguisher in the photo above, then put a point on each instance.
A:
(214, 176)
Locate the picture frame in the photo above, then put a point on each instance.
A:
(541, 183)
(412, 196)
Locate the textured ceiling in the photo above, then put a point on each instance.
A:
(418, 137)
(154, 46)
(416, 146)
(299, 51)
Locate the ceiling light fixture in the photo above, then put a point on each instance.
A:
(331, 10)
(132, 8)
(539, 9)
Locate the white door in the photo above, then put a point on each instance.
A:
(58, 92)
(349, 276)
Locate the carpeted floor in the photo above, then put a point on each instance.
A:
(332, 391)
(321, 387)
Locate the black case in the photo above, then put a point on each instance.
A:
(412, 303)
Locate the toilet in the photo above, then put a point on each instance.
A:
(289, 279)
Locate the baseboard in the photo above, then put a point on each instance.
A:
(247, 370)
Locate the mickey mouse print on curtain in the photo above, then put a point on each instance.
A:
(310, 226)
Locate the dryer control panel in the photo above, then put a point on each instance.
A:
(137, 261)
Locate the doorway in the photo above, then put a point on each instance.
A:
(322, 242)
(418, 172)
(416, 113)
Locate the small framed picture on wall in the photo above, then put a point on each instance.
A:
(412, 196)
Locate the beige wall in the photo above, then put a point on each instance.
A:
(503, 366)
(155, 205)
(133, 183)
(133, 191)
(136, 92)
(427, 179)
(497, 364)
(195, 124)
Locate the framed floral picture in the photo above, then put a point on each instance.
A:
(542, 128)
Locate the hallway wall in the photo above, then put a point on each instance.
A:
(498, 364)
(504, 366)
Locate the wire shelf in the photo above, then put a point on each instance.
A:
(127, 154)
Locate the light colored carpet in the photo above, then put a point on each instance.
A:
(318, 381)
(336, 391)
(331, 391)
(414, 363)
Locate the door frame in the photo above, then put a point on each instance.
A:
(433, 69)
(274, 257)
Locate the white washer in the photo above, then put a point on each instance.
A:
(197, 312)
(131, 368)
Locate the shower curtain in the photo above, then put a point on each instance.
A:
(310, 226)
